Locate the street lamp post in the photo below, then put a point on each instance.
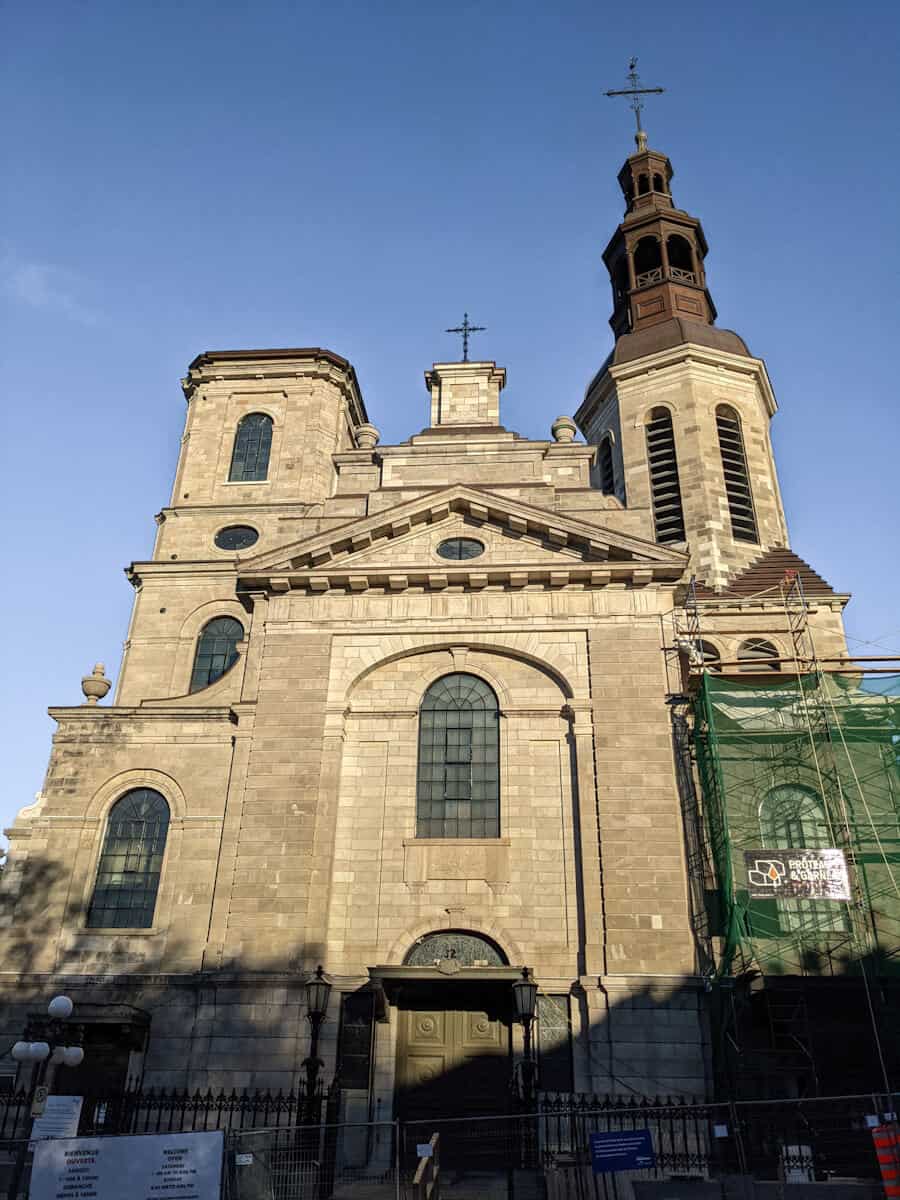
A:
(48, 1044)
(318, 990)
(525, 992)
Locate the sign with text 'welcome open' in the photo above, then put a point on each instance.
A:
(166, 1166)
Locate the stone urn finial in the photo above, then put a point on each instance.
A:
(367, 437)
(96, 685)
(564, 429)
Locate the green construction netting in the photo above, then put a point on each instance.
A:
(804, 761)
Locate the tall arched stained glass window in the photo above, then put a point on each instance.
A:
(130, 862)
(216, 651)
(792, 817)
(458, 782)
(252, 444)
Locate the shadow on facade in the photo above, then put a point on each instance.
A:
(233, 1026)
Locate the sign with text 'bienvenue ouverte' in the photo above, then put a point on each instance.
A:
(621, 1150)
(166, 1166)
(797, 875)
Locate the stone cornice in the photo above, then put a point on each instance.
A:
(96, 712)
(767, 604)
(399, 578)
(690, 352)
(687, 352)
(309, 362)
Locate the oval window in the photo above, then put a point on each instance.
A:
(236, 537)
(460, 548)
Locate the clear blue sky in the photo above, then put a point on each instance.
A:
(196, 175)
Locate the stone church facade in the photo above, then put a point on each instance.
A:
(401, 711)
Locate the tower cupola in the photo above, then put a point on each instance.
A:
(655, 257)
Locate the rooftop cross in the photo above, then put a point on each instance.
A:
(637, 105)
(465, 329)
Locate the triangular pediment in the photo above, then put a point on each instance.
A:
(521, 544)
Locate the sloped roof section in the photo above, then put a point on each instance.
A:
(766, 573)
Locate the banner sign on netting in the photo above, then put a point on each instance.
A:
(797, 874)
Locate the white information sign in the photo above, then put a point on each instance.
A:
(59, 1120)
(167, 1166)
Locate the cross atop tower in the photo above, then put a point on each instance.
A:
(465, 329)
(637, 105)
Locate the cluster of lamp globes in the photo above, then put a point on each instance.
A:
(59, 1009)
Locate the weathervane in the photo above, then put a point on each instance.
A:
(465, 329)
(637, 105)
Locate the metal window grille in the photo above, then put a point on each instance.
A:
(737, 482)
(554, 1044)
(460, 548)
(355, 1039)
(130, 862)
(252, 445)
(216, 651)
(607, 471)
(458, 780)
(665, 488)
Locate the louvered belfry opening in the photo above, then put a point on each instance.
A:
(668, 515)
(737, 482)
(605, 465)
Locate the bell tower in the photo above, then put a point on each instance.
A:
(655, 257)
(680, 411)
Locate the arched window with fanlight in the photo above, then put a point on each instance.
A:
(665, 488)
(252, 446)
(130, 862)
(216, 651)
(757, 654)
(737, 479)
(458, 776)
(793, 817)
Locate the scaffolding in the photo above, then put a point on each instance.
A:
(805, 754)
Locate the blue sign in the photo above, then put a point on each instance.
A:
(623, 1150)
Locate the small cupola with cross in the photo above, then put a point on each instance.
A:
(655, 257)
(464, 394)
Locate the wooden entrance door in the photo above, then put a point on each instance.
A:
(451, 1062)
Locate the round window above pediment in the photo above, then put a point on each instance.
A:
(459, 548)
(236, 537)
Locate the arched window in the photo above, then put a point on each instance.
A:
(252, 444)
(621, 285)
(792, 817)
(458, 781)
(665, 489)
(643, 185)
(469, 950)
(658, 185)
(647, 261)
(710, 656)
(216, 651)
(681, 259)
(737, 482)
(755, 655)
(606, 468)
(130, 862)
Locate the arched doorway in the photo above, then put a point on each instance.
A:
(454, 1019)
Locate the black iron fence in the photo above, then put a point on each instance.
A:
(175, 1110)
(300, 1141)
